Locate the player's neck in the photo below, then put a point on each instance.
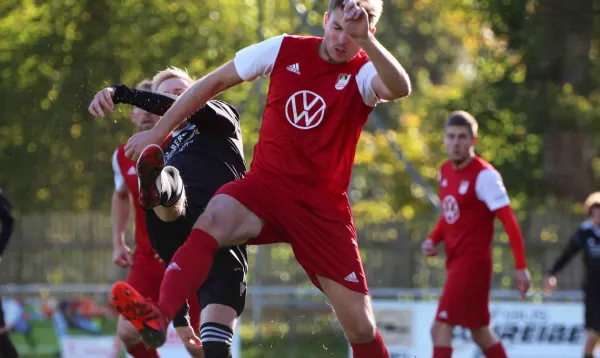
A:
(459, 164)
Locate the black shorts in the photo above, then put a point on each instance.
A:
(592, 311)
(226, 282)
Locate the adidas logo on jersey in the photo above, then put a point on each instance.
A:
(351, 278)
(443, 315)
(173, 266)
(294, 68)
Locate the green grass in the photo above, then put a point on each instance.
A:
(311, 340)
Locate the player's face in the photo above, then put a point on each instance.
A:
(459, 143)
(595, 214)
(175, 86)
(337, 46)
(143, 120)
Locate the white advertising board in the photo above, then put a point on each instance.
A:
(550, 330)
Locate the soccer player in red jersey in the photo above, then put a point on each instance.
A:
(472, 195)
(321, 93)
(146, 272)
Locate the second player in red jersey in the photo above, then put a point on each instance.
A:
(473, 196)
(146, 272)
(320, 95)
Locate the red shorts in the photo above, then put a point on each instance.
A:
(466, 296)
(321, 234)
(146, 275)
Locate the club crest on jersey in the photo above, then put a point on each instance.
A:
(464, 186)
(450, 209)
(342, 81)
(305, 109)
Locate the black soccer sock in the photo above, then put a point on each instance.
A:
(588, 356)
(171, 186)
(7, 348)
(216, 340)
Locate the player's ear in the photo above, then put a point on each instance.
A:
(325, 18)
(474, 141)
(373, 30)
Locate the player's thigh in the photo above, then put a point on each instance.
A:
(223, 295)
(242, 208)
(353, 310)
(229, 221)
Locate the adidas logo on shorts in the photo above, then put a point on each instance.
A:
(351, 278)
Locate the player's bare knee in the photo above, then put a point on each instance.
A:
(441, 333)
(363, 332)
(484, 337)
(127, 333)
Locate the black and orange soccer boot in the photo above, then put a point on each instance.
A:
(142, 313)
(149, 167)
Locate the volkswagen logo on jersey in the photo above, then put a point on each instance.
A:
(305, 109)
(450, 209)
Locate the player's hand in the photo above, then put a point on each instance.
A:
(122, 256)
(139, 141)
(428, 248)
(102, 100)
(523, 279)
(191, 341)
(355, 21)
(549, 284)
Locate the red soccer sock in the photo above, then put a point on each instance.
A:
(141, 351)
(187, 271)
(496, 351)
(442, 352)
(374, 349)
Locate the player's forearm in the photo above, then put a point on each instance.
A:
(437, 235)
(515, 236)
(189, 102)
(566, 255)
(153, 102)
(119, 212)
(391, 72)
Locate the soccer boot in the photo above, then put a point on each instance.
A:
(149, 166)
(142, 313)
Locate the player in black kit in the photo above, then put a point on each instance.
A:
(586, 239)
(175, 186)
(7, 348)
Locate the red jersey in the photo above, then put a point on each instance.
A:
(470, 196)
(314, 113)
(126, 180)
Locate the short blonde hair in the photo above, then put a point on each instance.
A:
(168, 73)
(592, 200)
(144, 84)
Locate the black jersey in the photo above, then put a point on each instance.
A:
(208, 151)
(586, 239)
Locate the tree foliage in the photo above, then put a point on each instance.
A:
(532, 84)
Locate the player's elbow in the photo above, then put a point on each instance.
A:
(396, 89)
(403, 88)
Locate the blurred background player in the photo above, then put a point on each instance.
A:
(208, 142)
(321, 93)
(146, 271)
(472, 195)
(586, 238)
(7, 348)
